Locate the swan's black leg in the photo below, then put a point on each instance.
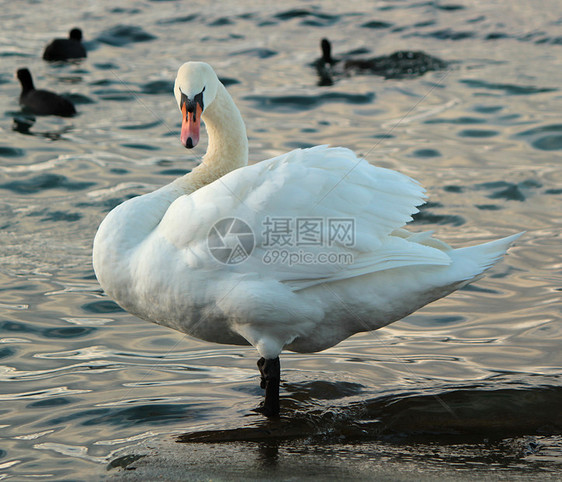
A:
(270, 370)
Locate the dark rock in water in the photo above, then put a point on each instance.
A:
(399, 65)
(42, 102)
(66, 48)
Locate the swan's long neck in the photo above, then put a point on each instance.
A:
(129, 224)
(227, 147)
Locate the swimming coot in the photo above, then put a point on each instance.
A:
(42, 102)
(66, 48)
(399, 65)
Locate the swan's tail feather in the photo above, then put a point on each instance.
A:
(484, 256)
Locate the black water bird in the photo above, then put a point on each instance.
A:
(399, 65)
(42, 102)
(66, 48)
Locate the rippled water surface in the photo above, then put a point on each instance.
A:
(471, 384)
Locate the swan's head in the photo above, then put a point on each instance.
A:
(195, 89)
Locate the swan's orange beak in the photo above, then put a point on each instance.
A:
(191, 121)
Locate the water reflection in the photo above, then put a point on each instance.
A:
(268, 454)
(393, 460)
(23, 124)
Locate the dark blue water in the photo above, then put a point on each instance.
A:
(468, 386)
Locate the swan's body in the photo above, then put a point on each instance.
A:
(157, 255)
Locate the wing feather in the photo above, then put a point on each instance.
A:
(320, 184)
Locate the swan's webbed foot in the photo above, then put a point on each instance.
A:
(270, 370)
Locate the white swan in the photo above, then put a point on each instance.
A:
(163, 257)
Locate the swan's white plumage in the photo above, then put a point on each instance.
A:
(377, 200)
(151, 253)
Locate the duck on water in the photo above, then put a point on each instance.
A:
(66, 48)
(398, 65)
(166, 256)
(42, 102)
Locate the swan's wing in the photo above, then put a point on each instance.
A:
(314, 215)
(333, 183)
